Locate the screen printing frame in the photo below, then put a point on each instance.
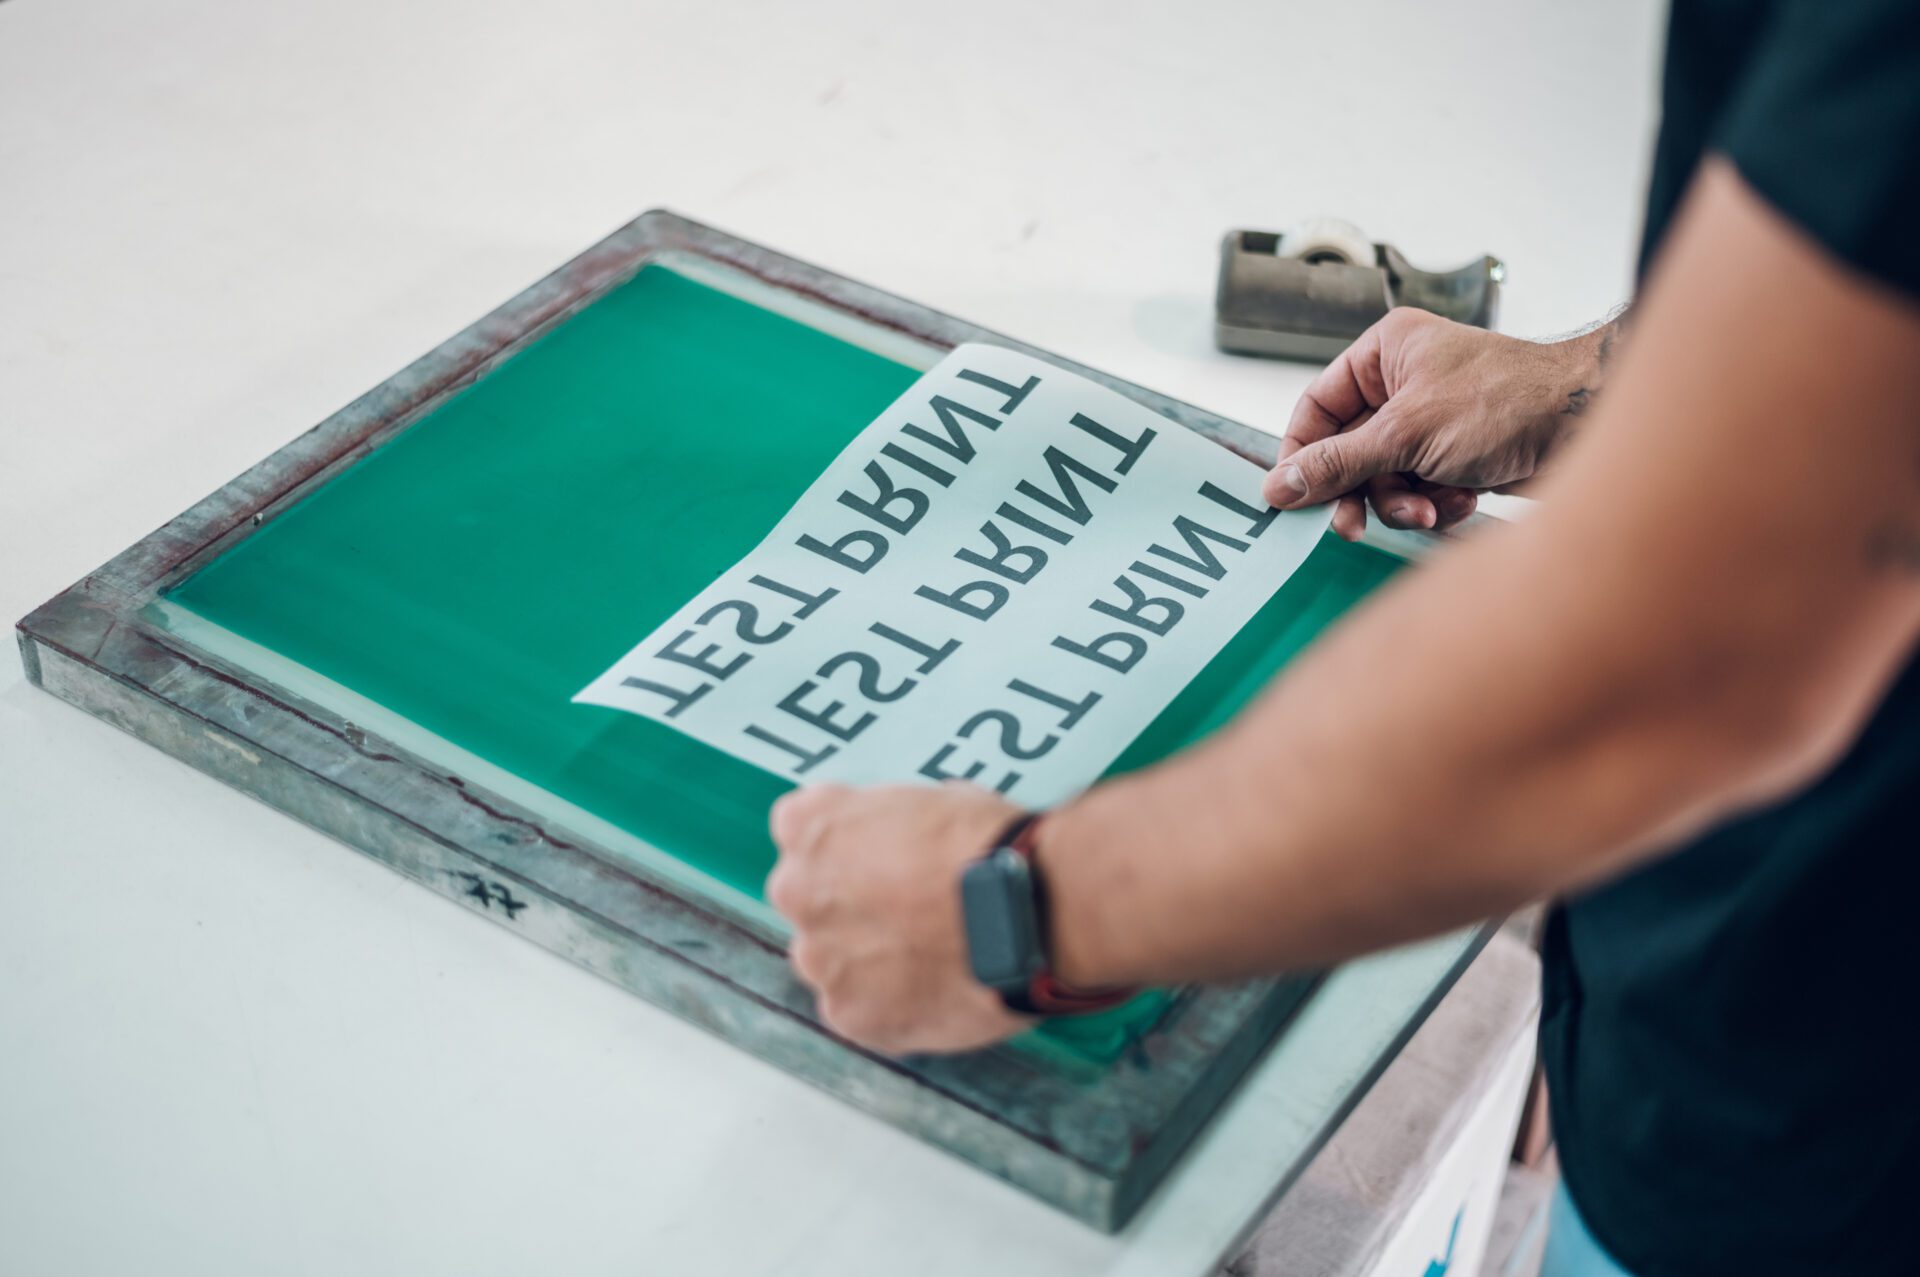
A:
(1092, 1142)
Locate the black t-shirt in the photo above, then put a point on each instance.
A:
(1727, 1033)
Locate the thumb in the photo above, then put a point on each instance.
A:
(1332, 467)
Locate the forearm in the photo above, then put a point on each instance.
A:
(1364, 802)
(1669, 640)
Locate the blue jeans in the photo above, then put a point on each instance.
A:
(1571, 1249)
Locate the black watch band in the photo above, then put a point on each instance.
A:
(1003, 898)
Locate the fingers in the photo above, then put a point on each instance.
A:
(1346, 388)
(1320, 471)
(971, 1019)
(1399, 504)
(1454, 504)
(1318, 460)
(1350, 517)
(1405, 502)
(799, 820)
(798, 816)
(804, 956)
(786, 890)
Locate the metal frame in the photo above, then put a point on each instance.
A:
(1092, 1144)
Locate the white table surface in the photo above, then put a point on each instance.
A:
(227, 1045)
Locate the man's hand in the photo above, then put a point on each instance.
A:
(1420, 413)
(870, 880)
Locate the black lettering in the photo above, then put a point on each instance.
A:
(1074, 711)
(1258, 517)
(933, 770)
(995, 598)
(1015, 394)
(916, 462)
(839, 553)
(679, 698)
(868, 678)
(877, 509)
(1129, 450)
(1032, 524)
(1032, 558)
(1167, 578)
(804, 759)
(743, 627)
(824, 719)
(1196, 535)
(956, 444)
(1132, 645)
(809, 603)
(931, 655)
(1069, 503)
(1009, 734)
(1138, 602)
(703, 659)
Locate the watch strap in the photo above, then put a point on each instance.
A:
(1046, 994)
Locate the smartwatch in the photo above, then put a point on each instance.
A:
(1003, 900)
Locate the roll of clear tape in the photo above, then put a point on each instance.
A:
(1322, 239)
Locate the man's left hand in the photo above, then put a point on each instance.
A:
(870, 879)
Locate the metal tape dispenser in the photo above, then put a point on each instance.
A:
(1307, 292)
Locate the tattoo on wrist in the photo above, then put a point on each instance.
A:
(1581, 397)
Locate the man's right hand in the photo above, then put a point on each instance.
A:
(1420, 414)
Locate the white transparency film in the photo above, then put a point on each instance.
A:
(1004, 578)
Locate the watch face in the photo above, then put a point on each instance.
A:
(1003, 939)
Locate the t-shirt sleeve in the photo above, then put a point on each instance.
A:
(1825, 125)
